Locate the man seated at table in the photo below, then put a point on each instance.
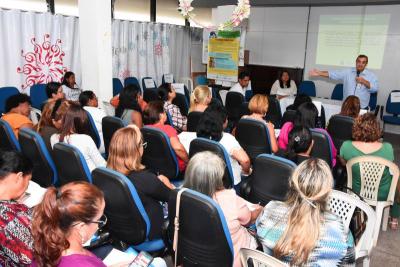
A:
(243, 85)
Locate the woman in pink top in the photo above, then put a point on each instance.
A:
(204, 174)
(306, 116)
(63, 222)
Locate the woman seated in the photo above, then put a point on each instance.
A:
(200, 98)
(59, 111)
(284, 86)
(75, 131)
(155, 116)
(45, 127)
(18, 108)
(90, 103)
(115, 101)
(351, 107)
(125, 155)
(128, 108)
(211, 127)
(69, 87)
(298, 101)
(66, 219)
(258, 107)
(366, 142)
(167, 94)
(306, 116)
(15, 218)
(204, 174)
(301, 231)
(300, 145)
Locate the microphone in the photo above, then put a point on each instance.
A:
(355, 88)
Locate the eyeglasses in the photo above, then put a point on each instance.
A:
(101, 222)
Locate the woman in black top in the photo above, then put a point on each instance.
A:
(300, 145)
(125, 154)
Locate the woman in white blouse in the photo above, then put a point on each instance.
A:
(74, 131)
(284, 86)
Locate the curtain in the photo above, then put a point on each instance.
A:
(37, 48)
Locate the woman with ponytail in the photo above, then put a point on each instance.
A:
(63, 222)
(300, 145)
(301, 231)
(200, 98)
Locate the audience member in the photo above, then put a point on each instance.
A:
(69, 86)
(64, 221)
(306, 116)
(258, 107)
(125, 155)
(16, 243)
(115, 101)
(299, 99)
(284, 86)
(54, 91)
(59, 112)
(351, 107)
(155, 116)
(18, 108)
(74, 131)
(167, 94)
(45, 127)
(366, 142)
(89, 102)
(128, 108)
(301, 231)
(204, 174)
(200, 98)
(300, 145)
(243, 85)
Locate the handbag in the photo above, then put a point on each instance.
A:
(358, 221)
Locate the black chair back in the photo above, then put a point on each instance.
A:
(253, 137)
(233, 104)
(110, 125)
(204, 238)
(274, 114)
(159, 155)
(193, 120)
(70, 163)
(322, 147)
(270, 179)
(202, 144)
(8, 140)
(33, 147)
(340, 128)
(182, 103)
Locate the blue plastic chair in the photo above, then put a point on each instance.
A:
(201, 80)
(38, 95)
(337, 93)
(93, 130)
(131, 80)
(392, 108)
(5, 93)
(117, 86)
(8, 140)
(307, 88)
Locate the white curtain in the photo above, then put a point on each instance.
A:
(142, 49)
(37, 48)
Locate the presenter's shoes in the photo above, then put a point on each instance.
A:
(394, 224)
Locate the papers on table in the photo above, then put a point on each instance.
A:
(318, 104)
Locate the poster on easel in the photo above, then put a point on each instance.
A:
(223, 59)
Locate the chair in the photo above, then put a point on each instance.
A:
(131, 80)
(193, 119)
(110, 125)
(253, 137)
(371, 170)
(70, 164)
(222, 94)
(8, 140)
(203, 236)
(168, 77)
(343, 206)
(201, 80)
(150, 94)
(322, 147)
(38, 95)
(148, 80)
(248, 94)
(182, 103)
(262, 259)
(274, 113)
(32, 146)
(188, 83)
(308, 88)
(127, 219)
(392, 108)
(269, 180)
(159, 155)
(93, 130)
(232, 104)
(345, 124)
(117, 86)
(5, 93)
(202, 144)
(337, 93)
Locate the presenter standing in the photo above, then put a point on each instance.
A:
(357, 81)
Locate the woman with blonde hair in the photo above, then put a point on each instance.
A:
(258, 107)
(301, 231)
(200, 98)
(125, 156)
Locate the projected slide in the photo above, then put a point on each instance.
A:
(342, 37)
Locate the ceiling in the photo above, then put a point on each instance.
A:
(215, 3)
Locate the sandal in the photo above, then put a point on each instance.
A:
(394, 224)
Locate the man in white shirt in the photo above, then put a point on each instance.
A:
(243, 84)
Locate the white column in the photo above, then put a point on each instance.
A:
(95, 45)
